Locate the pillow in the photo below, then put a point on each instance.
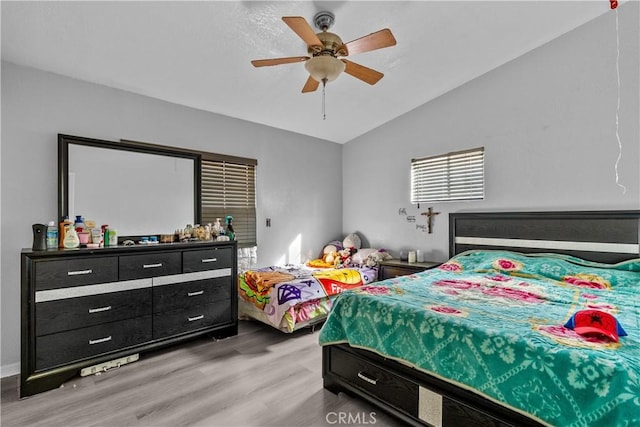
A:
(352, 241)
(361, 256)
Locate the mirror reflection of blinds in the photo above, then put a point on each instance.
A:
(229, 188)
(453, 176)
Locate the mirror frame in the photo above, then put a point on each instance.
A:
(140, 147)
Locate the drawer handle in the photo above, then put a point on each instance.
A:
(100, 340)
(193, 319)
(79, 272)
(98, 310)
(152, 265)
(210, 260)
(193, 294)
(367, 379)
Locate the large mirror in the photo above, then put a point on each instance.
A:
(136, 188)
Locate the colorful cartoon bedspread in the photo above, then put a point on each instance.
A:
(278, 290)
(493, 321)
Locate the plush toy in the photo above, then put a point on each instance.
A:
(374, 258)
(330, 257)
(352, 241)
(331, 247)
(344, 257)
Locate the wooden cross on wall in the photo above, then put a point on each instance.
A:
(430, 214)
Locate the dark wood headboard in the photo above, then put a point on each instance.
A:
(603, 236)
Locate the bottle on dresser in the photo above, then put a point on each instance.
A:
(52, 235)
(65, 225)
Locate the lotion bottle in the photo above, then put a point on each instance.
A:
(65, 225)
(71, 239)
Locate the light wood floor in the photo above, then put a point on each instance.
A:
(261, 377)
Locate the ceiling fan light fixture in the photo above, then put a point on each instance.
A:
(324, 67)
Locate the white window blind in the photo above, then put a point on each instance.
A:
(229, 188)
(452, 176)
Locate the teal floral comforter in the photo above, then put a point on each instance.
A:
(492, 322)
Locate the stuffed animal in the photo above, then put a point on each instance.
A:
(330, 257)
(344, 257)
(333, 246)
(352, 241)
(374, 258)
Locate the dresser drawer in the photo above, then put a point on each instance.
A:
(191, 319)
(188, 294)
(75, 272)
(207, 259)
(68, 313)
(66, 347)
(150, 265)
(376, 381)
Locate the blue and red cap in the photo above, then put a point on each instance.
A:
(596, 322)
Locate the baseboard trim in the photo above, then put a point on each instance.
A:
(9, 370)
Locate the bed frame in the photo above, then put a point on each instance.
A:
(418, 398)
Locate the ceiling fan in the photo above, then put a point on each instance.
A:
(325, 48)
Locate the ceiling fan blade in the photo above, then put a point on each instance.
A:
(278, 61)
(311, 85)
(301, 27)
(373, 41)
(367, 75)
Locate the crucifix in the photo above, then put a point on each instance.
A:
(430, 214)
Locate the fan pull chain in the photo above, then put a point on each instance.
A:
(624, 189)
(324, 111)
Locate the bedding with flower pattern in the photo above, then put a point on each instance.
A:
(493, 322)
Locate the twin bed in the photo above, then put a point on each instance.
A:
(485, 338)
(292, 297)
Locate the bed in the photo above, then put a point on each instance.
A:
(485, 339)
(292, 297)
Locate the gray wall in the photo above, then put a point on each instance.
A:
(36, 106)
(547, 122)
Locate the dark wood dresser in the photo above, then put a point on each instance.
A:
(394, 268)
(82, 307)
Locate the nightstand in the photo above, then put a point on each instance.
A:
(394, 268)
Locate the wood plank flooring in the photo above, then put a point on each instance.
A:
(261, 377)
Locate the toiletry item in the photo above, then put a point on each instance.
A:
(83, 236)
(65, 224)
(79, 224)
(52, 235)
(105, 234)
(412, 256)
(113, 237)
(89, 224)
(71, 239)
(39, 237)
(96, 236)
(230, 232)
(419, 256)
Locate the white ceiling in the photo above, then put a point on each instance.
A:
(198, 53)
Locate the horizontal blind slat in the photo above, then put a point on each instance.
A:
(229, 189)
(453, 176)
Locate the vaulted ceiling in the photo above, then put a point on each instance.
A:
(198, 54)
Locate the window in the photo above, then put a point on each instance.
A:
(228, 187)
(453, 176)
